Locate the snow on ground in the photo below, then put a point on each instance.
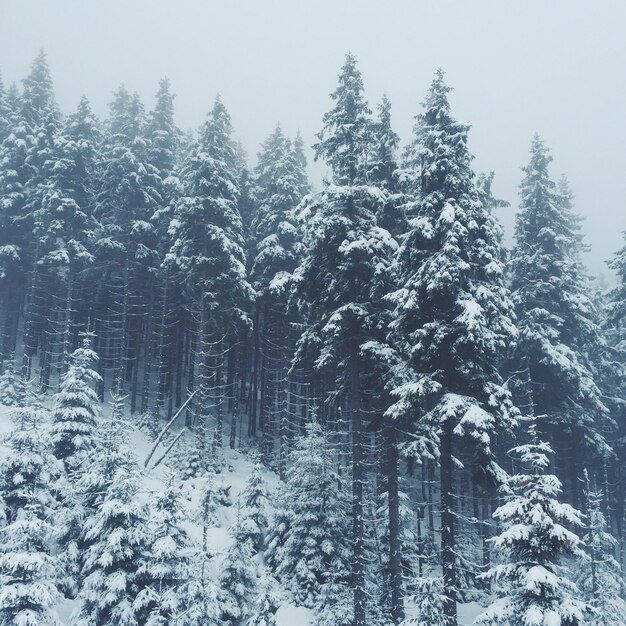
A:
(236, 471)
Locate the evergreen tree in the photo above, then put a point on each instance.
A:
(253, 507)
(65, 226)
(163, 575)
(126, 247)
(118, 535)
(76, 410)
(208, 249)
(340, 282)
(278, 185)
(601, 580)
(266, 605)
(278, 180)
(237, 579)
(532, 579)
(29, 470)
(308, 537)
(555, 317)
(452, 314)
(383, 171)
(28, 592)
(429, 601)
(28, 571)
(9, 384)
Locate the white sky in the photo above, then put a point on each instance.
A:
(557, 67)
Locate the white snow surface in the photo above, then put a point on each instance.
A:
(238, 467)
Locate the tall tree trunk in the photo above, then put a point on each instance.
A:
(395, 556)
(447, 526)
(358, 478)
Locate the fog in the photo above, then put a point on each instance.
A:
(556, 68)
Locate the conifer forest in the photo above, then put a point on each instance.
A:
(233, 394)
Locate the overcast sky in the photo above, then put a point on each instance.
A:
(517, 67)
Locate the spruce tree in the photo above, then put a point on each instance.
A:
(28, 570)
(9, 384)
(65, 226)
(532, 580)
(601, 580)
(119, 539)
(555, 317)
(253, 510)
(237, 578)
(76, 409)
(266, 604)
(452, 317)
(163, 577)
(339, 284)
(278, 185)
(309, 539)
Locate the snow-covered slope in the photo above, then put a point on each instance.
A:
(232, 479)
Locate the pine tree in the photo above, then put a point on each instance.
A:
(163, 575)
(555, 316)
(29, 467)
(119, 539)
(266, 604)
(429, 600)
(340, 282)
(28, 592)
(65, 225)
(30, 145)
(28, 571)
(601, 579)
(76, 410)
(9, 384)
(278, 185)
(237, 578)
(208, 249)
(253, 510)
(308, 537)
(452, 315)
(383, 171)
(126, 247)
(532, 579)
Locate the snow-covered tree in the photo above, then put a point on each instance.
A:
(202, 606)
(383, 172)
(340, 283)
(9, 385)
(532, 578)
(28, 571)
(208, 250)
(253, 510)
(29, 469)
(64, 225)
(556, 320)
(163, 574)
(277, 250)
(601, 579)
(429, 598)
(237, 578)
(266, 604)
(76, 409)
(452, 318)
(117, 532)
(309, 537)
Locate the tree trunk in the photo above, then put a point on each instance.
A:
(395, 556)
(358, 478)
(447, 526)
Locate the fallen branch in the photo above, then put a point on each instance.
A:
(180, 434)
(167, 426)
